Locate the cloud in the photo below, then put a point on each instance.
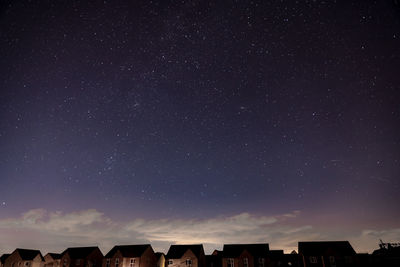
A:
(198, 231)
(240, 228)
(58, 223)
(55, 231)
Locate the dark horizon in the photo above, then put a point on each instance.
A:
(208, 252)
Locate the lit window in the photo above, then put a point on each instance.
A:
(245, 262)
(313, 260)
(261, 262)
(231, 263)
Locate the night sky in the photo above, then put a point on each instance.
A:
(199, 122)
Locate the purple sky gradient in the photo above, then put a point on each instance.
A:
(195, 112)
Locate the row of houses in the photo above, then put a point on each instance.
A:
(314, 254)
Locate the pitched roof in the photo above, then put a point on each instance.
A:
(276, 254)
(128, 251)
(3, 258)
(217, 252)
(256, 250)
(79, 252)
(177, 251)
(324, 247)
(276, 251)
(28, 254)
(55, 256)
(159, 255)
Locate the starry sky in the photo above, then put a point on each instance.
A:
(199, 121)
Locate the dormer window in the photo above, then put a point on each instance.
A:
(313, 260)
(245, 262)
(231, 262)
(261, 262)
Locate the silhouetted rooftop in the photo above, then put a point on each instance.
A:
(28, 254)
(79, 252)
(390, 252)
(159, 254)
(256, 250)
(55, 256)
(217, 252)
(177, 251)
(326, 247)
(128, 251)
(276, 254)
(3, 258)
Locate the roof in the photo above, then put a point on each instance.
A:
(159, 255)
(213, 258)
(388, 252)
(79, 252)
(177, 251)
(256, 250)
(326, 247)
(28, 254)
(4, 257)
(128, 251)
(276, 254)
(55, 256)
(217, 252)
